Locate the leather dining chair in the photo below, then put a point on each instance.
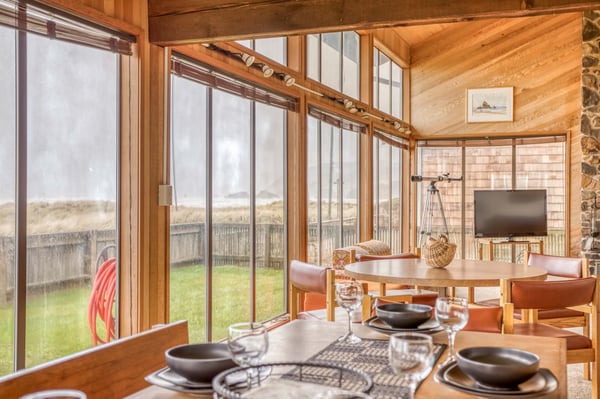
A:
(481, 318)
(311, 279)
(484, 319)
(531, 296)
(560, 267)
(371, 301)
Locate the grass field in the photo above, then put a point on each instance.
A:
(57, 322)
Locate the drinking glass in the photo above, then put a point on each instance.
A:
(349, 295)
(248, 344)
(452, 314)
(410, 354)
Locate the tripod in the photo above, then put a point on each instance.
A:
(432, 200)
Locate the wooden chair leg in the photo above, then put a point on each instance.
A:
(382, 289)
(587, 375)
(471, 295)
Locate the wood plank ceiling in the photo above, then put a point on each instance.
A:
(173, 22)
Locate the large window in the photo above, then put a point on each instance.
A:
(333, 172)
(388, 152)
(274, 48)
(387, 84)
(60, 116)
(334, 60)
(495, 164)
(227, 222)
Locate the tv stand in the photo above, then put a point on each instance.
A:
(491, 243)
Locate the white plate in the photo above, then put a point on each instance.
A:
(430, 326)
(542, 383)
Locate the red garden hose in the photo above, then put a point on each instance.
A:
(102, 301)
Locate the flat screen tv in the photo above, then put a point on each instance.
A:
(510, 213)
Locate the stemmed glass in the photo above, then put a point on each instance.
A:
(349, 295)
(248, 344)
(452, 314)
(411, 356)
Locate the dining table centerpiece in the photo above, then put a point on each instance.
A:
(438, 253)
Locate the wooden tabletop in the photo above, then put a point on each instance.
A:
(300, 339)
(459, 273)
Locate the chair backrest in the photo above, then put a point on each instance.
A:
(561, 266)
(364, 258)
(370, 302)
(114, 370)
(551, 294)
(307, 278)
(484, 319)
(531, 296)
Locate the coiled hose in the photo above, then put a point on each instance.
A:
(102, 300)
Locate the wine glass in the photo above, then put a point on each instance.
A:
(410, 354)
(248, 344)
(349, 295)
(452, 314)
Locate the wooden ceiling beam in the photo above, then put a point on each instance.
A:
(174, 22)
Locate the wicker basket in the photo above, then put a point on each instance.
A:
(438, 253)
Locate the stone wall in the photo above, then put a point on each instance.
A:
(590, 138)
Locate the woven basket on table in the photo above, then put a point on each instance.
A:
(438, 253)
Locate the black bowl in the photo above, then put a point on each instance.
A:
(404, 315)
(199, 362)
(498, 367)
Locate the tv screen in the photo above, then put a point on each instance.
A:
(510, 213)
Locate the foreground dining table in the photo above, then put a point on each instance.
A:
(299, 340)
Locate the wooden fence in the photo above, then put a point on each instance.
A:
(62, 259)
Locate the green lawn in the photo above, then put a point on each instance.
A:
(57, 323)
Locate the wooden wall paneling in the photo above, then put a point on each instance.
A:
(365, 197)
(410, 207)
(128, 193)
(106, 14)
(155, 296)
(175, 22)
(395, 47)
(297, 206)
(522, 53)
(296, 54)
(573, 223)
(297, 158)
(539, 56)
(366, 69)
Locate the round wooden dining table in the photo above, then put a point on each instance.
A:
(459, 273)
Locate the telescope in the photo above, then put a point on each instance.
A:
(444, 177)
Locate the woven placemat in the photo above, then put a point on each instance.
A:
(371, 357)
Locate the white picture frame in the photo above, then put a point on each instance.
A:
(493, 104)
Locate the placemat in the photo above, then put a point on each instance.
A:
(371, 357)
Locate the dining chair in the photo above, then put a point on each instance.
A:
(484, 319)
(311, 279)
(559, 267)
(532, 296)
(371, 301)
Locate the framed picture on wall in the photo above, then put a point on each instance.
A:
(493, 104)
